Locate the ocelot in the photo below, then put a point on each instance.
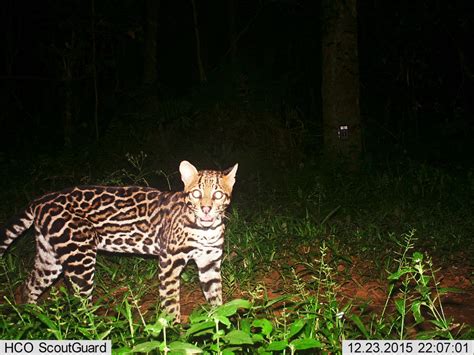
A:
(72, 225)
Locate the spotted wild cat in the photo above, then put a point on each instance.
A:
(70, 226)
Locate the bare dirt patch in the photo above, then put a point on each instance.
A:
(358, 287)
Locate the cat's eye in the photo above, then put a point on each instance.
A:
(196, 194)
(218, 195)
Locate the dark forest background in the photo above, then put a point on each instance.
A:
(352, 122)
(76, 82)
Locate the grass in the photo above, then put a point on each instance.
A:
(289, 253)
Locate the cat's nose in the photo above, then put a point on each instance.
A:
(206, 209)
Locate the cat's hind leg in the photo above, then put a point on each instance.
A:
(46, 270)
(78, 257)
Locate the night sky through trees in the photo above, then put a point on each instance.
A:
(415, 58)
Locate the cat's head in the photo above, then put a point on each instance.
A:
(208, 192)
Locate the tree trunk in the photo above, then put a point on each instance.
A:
(231, 7)
(150, 50)
(340, 82)
(202, 72)
(68, 124)
(94, 73)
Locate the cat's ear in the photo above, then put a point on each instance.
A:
(229, 176)
(188, 173)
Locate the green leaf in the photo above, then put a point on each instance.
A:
(439, 323)
(432, 334)
(237, 337)
(265, 324)
(400, 305)
(223, 320)
(184, 348)
(240, 303)
(154, 329)
(85, 331)
(146, 347)
(226, 310)
(444, 290)
(277, 345)
(122, 351)
(397, 274)
(104, 335)
(277, 300)
(257, 338)
(219, 334)
(425, 291)
(425, 279)
(197, 317)
(358, 322)
(199, 327)
(50, 324)
(416, 309)
(303, 344)
(230, 308)
(417, 256)
(296, 327)
(245, 325)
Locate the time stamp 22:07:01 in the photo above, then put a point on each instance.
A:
(408, 347)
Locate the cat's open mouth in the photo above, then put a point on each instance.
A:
(206, 220)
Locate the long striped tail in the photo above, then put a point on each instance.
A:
(14, 228)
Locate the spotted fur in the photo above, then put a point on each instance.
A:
(72, 225)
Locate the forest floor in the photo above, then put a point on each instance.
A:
(359, 286)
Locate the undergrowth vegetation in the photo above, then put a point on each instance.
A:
(291, 248)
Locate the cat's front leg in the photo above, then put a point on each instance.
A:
(170, 271)
(210, 278)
